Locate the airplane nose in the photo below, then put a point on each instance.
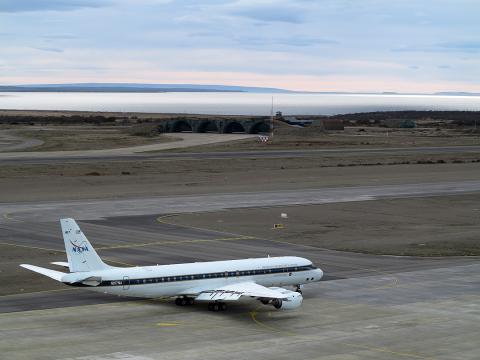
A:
(320, 274)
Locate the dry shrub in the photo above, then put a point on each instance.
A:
(145, 130)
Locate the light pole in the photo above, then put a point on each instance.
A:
(271, 120)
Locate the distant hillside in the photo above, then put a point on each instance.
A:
(127, 87)
(156, 88)
(457, 93)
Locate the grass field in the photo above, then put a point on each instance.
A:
(351, 137)
(67, 138)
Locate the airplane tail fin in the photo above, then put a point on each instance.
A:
(80, 253)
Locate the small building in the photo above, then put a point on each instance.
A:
(327, 124)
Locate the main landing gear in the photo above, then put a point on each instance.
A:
(212, 306)
(299, 289)
(184, 301)
(217, 306)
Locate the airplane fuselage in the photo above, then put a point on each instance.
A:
(178, 279)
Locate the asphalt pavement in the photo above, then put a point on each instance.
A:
(151, 154)
(98, 209)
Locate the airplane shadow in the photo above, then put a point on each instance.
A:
(246, 312)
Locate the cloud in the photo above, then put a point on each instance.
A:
(273, 39)
(13, 6)
(274, 43)
(467, 46)
(268, 14)
(252, 41)
(289, 70)
(305, 41)
(60, 37)
(49, 49)
(268, 11)
(450, 46)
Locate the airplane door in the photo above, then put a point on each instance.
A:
(126, 283)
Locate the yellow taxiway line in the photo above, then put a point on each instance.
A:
(8, 216)
(59, 251)
(253, 316)
(37, 292)
(168, 324)
(32, 247)
(174, 242)
(394, 280)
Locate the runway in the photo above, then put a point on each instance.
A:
(148, 240)
(366, 307)
(97, 209)
(110, 155)
(369, 306)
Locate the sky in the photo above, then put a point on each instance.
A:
(312, 45)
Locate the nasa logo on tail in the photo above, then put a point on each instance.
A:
(78, 249)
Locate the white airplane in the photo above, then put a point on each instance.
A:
(216, 282)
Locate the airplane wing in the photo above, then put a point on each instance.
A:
(235, 291)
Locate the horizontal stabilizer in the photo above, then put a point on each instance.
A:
(55, 275)
(60, 263)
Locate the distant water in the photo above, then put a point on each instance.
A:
(234, 103)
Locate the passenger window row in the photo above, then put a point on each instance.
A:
(208, 276)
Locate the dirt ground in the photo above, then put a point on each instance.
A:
(66, 138)
(70, 180)
(88, 137)
(286, 137)
(433, 226)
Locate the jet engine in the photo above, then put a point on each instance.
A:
(292, 301)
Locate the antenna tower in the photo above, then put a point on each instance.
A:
(271, 120)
